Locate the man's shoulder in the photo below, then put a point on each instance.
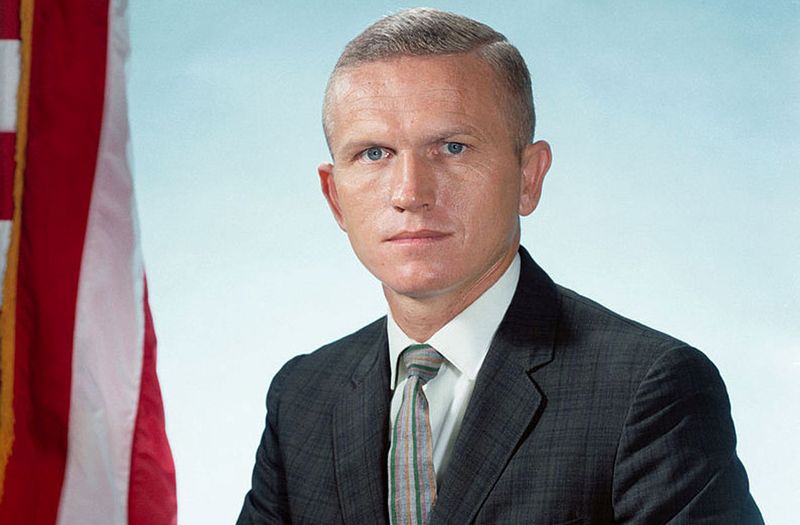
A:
(352, 346)
(334, 363)
(590, 331)
(580, 321)
(590, 317)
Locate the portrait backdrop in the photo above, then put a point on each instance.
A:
(672, 199)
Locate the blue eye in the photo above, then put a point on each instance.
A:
(455, 148)
(374, 153)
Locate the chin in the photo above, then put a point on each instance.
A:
(417, 279)
(418, 286)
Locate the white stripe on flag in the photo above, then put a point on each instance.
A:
(5, 237)
(109, 324)
(9, 83)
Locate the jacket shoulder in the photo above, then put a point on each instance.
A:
(333, 364)
(590, 320)
(620, 349)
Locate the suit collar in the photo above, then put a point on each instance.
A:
(529, 326)
(505, 402)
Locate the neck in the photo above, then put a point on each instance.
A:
(420, 318)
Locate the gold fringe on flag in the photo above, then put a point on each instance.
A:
(9, 307)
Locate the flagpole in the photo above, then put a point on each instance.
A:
(9, 306)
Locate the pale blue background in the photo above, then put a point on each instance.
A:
(672, 199)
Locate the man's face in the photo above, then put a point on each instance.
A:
(427, 182)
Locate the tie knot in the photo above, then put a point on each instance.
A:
(422, 361)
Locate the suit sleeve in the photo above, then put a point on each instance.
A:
(676, 461)
(267, 500)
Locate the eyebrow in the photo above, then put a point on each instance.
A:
(451, 131)
(433, 136)
(360, 144)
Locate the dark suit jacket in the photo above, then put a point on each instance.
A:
(578, 415)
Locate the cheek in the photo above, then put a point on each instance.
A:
(484, 198)
(359, 201)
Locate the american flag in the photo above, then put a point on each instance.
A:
(82, 434)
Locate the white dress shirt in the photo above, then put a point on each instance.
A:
(464, 343)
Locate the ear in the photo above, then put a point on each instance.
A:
(328, 185)
(536, 159)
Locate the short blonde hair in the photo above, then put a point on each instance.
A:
(428, 32)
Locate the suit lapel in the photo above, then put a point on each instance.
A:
(360, 438)
(505, 402)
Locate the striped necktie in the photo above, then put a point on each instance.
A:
(412, 480)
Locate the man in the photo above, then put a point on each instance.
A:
(488, 394)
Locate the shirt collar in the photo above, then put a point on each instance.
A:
(464, 341)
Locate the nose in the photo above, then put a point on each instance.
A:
(413, 184)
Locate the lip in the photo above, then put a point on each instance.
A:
(417, 237)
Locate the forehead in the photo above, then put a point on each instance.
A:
(431, 87)
(465, 72)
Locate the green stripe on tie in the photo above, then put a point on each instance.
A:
(406, 504)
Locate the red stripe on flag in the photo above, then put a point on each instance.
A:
(9, 19)
(7, 164)
(151, 492)
(65, 113)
